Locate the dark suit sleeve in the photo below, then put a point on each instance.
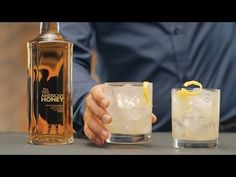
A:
(80, 34)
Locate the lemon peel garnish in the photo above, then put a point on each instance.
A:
(186, 92)
(146, 93)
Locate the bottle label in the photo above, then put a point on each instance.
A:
(54, 106)
(51, 98)
(49, 90)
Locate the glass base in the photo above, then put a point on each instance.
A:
(195, 144)
(128, 139)
(50, 140)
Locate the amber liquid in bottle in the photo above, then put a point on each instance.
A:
(50, 87)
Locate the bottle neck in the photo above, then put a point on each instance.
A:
(46, 27)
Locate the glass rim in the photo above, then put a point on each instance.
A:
(124, 83)
(208, 89)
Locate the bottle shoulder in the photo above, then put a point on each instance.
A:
(49, 38)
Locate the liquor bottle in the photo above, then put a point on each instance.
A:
(49, 73)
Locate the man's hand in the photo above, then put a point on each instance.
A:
(95, 115)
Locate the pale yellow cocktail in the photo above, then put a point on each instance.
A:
(131, 111)
(195, 117)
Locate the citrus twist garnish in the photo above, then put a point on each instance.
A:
(146, 93)
(184, 91)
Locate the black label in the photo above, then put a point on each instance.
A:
(49, 95)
